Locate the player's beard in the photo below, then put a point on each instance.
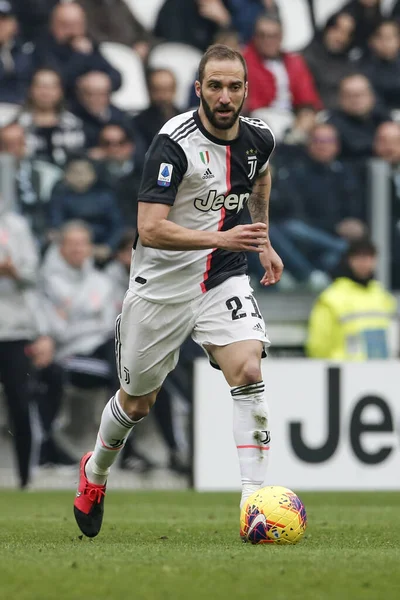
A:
(214, 120)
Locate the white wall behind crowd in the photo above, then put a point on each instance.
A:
(333, 427)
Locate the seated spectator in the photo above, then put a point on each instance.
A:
(16, 58)
(34, 181)
(366, 15)
(82, 299)
(352, 318)
(18, 329)
(304, 123)
(317, 200)
(327, 57)
(113, 21)
(382, 65)
(162, 90)
(387, 147)
(358, 116)
(51, 132)
(245, 13)
(117, 153)
(277, 79)
(68, 49)
(83, 196)
(93, 105)
(192, 22)
(33, 17)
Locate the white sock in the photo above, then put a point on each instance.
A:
(252, 436)
(115, 427)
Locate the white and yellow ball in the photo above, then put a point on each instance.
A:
(273, 515)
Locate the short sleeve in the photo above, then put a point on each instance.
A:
(164, 168)
(269, 149)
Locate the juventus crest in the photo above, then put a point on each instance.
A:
(252, 162)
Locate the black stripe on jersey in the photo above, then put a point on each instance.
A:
(182, 134)
(181, 126)
(186, 134)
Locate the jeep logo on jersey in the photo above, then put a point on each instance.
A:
(214, 202)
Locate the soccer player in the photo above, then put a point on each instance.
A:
(188, 274)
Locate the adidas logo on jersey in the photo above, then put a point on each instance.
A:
(208, 175)
(213, 202)
(258, 327)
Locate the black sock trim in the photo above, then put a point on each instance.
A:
(248, 389)
(119, 415)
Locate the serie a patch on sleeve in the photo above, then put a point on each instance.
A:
(165, 175)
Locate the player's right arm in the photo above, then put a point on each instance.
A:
(165, 167)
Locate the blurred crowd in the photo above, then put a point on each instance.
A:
(77, 149)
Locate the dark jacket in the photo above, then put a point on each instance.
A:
(357, 134)
(148, 123)
(327, 69)
(33, 17)
(179, 21)
(246, 12)
(385, 78)
(113, 21)
(92, 124)
(329, 193)
(15, 76)
(97, 206)
(71, 64)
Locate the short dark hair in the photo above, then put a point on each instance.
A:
(362, 247)
(221, 52)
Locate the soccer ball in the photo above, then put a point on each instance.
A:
(273, 515)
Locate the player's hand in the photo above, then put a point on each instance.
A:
(245, 238)
(273, 266)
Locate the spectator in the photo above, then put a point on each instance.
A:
(382, 66)
(162, 90)
(83, 300)
(303, 124)
(68, 50)
(277, 79)
(18, 329)
(320, 199)
(357, 117)
(84, 197)
(51, 131)
(93, 105)
(366, 14)
(327, 57)
(352, 317)
(246, 12)
(33, 17)
(193, 22)
(16, 58)
(34, 181)
(117, 153)
(387, 147)
(113, 21)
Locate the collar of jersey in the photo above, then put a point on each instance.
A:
(211, 137)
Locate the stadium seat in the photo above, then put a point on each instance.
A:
(132, 95)
(8, 112)
(323, 9)
(183, 61)
(145, 11)
(297, 26)
(278, 120)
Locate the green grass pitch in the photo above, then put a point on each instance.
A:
(184, 545)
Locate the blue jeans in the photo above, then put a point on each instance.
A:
(304, 248)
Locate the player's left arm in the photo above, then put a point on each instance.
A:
(259, 211)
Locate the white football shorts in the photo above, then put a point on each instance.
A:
(149, 335)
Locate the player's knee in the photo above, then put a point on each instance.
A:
(137, 408)
(250, 371)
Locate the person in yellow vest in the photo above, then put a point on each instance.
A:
(351, 319)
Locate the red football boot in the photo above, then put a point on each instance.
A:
(89, 502)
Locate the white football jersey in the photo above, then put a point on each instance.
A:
(207, 182)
